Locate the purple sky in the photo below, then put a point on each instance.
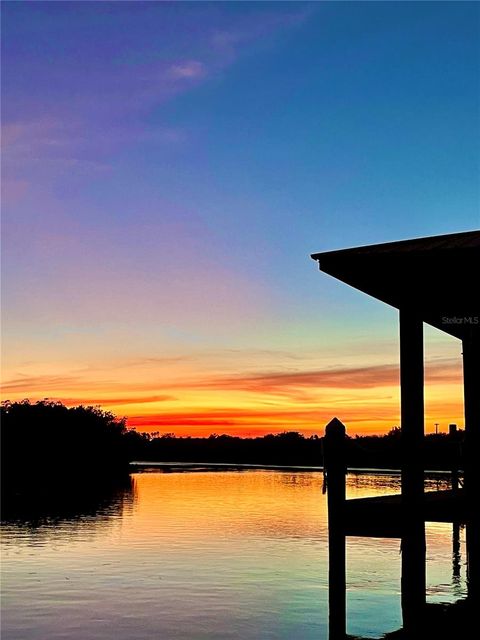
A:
(169, 167)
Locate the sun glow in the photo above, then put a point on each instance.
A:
(201, 395)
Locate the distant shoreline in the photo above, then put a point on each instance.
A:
(229, 466)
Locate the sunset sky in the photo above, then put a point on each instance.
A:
(169, 167)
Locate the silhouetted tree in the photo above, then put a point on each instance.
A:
(51, 444)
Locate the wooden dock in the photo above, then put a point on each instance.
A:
(401, 516)
(384, 516)
(429, 280)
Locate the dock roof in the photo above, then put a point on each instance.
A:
(436, 277)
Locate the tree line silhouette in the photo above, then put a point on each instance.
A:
(441, 451)
(50, 442)
(48, 438)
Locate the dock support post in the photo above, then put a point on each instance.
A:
(455, 448)
(335, 468)
(412, 437)
(471, 381)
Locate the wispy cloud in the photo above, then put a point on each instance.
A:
(273, 383)
(28, 385)
(367, 377)
(61, 386)
(189, 69)
(345, 378)
(230, 39)
(113, 101)
(110, 402)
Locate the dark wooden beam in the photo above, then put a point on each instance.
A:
(412, 437)
(471, 379)
(412, 406)
(335, 468)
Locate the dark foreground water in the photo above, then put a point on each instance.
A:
(193, 556)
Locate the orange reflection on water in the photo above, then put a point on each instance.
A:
(209, 554)
(262, 503)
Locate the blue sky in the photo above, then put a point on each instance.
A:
(169, 167)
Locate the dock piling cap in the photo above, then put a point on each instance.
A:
(335, 428)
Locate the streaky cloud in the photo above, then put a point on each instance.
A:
(110, 402)
(440, 372)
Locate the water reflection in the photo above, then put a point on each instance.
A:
(362, 485)
(65, 513)
(191, 556)
(456, 558)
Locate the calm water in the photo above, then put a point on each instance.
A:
(221, 555)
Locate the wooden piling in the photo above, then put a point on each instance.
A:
(335, 469)
(412, 437)
(455, 448)
(471, 375)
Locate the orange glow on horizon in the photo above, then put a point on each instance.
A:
(202, 413)
(199, 394)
